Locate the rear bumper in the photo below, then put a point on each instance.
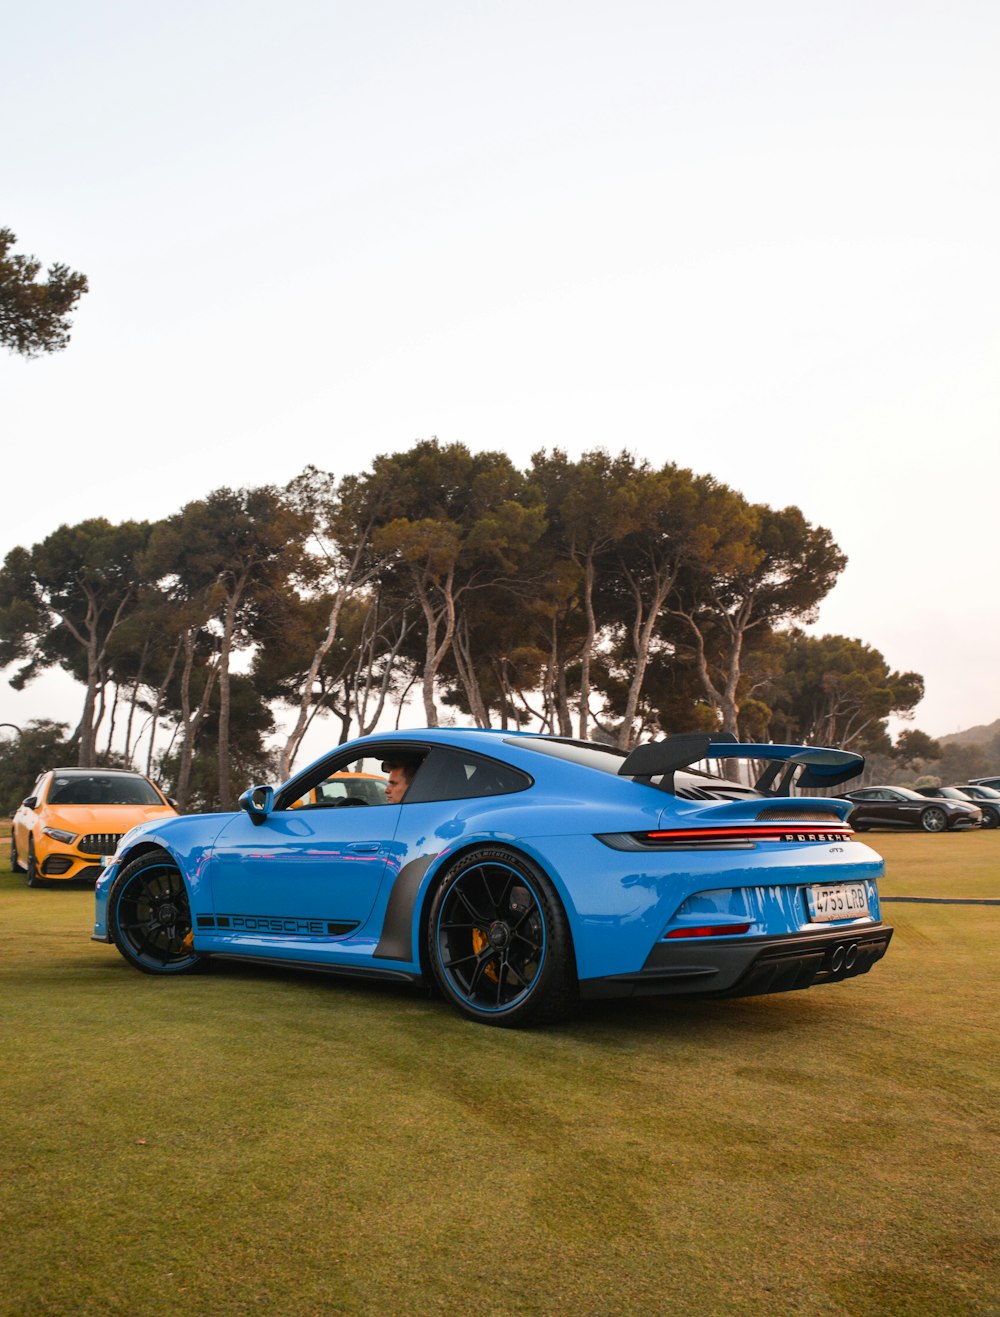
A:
(747, 967)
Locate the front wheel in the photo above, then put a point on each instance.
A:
(149, 918)
(499, 941)
(991, 817)
(31, 868)
(933, 820)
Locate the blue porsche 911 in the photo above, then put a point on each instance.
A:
(517, 872)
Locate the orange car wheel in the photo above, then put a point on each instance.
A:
(33, 878)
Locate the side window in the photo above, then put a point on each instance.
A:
(336, 782)
(353, 788)
(456, 775)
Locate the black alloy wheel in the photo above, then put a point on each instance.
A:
(933, 820)
(499, 941)
(149, 918)
(991, 816)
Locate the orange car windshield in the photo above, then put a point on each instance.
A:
(101, 789)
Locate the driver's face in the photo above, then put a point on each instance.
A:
(396, 786)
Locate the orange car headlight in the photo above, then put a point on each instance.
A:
(57, 834)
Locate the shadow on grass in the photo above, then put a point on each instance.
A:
(669, 1017)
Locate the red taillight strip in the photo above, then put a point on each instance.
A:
(710, 930)
(752, 832)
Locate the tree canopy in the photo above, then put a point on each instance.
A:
(34, 313)
(601, 596)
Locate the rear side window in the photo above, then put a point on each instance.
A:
(457, 775)
(603, 758)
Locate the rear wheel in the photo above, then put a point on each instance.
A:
(499, 941)
(149, 918)
(933, 820)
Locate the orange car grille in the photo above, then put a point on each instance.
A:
(99, 843)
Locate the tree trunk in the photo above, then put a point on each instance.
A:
(643, 631)
(465, 666)
(294, 738)
(588, 646)
(225, 650)
(191, 721)
(87, 754)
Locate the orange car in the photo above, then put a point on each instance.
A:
(74, 816)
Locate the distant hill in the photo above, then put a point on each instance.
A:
(974, 736)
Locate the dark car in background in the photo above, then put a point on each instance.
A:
(993, 782)
(987, 798)
(943, 793)
(902, 807)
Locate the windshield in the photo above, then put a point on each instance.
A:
(101, 789)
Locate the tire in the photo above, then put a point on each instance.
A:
(15, 863)
(149, 917)
(933, 820)
(991, 817)
(499, 941)
(32, 868)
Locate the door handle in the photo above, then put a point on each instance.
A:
(365, 847)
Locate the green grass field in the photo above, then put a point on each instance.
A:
(250, 1141)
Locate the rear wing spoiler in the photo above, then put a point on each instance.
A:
(810, 767)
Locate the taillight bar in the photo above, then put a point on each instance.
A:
(756, 832)
(734, 837)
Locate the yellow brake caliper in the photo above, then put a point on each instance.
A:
(479, 943)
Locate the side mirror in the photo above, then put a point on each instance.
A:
(29, 802)
(258, 802)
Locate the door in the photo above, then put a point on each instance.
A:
(312, 872)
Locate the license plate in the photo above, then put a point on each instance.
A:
(837, 901)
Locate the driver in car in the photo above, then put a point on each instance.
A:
(400, 771)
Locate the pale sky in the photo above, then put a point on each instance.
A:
(761, 240)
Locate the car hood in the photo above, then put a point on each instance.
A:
(83, 819)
